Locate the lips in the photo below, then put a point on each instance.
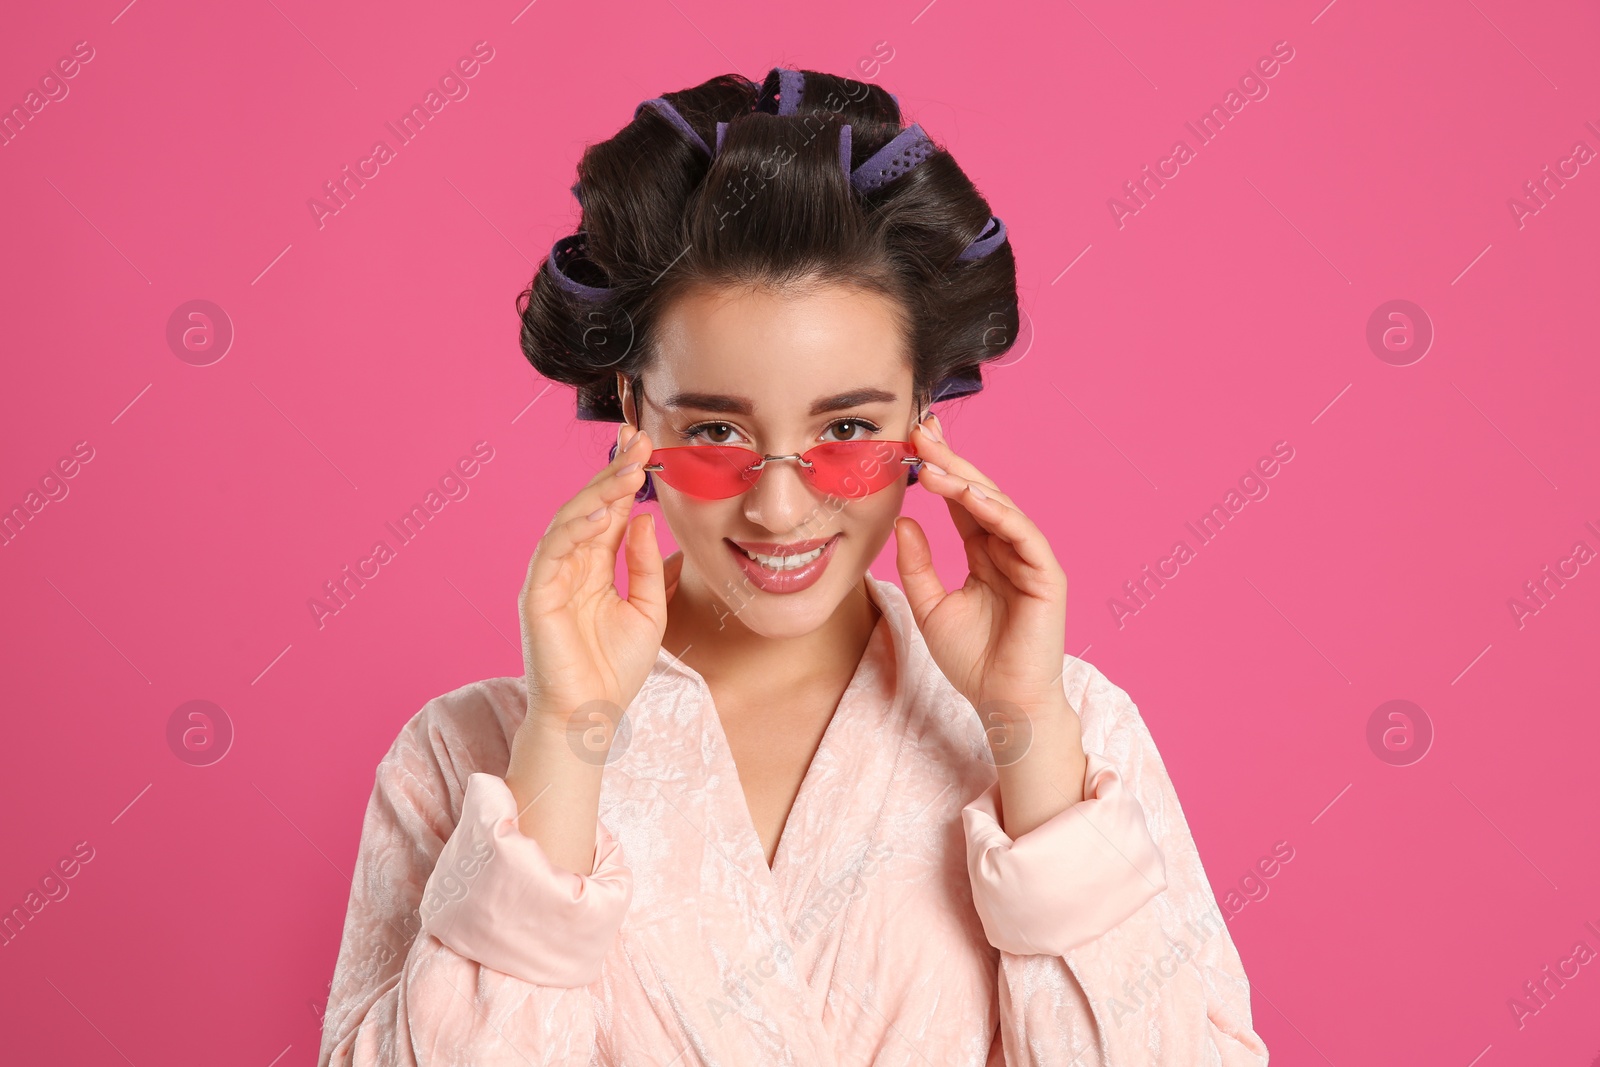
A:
(772, 575)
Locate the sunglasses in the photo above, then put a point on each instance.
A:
(848, 469)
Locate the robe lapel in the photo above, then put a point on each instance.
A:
(705, 932)
(738, 960)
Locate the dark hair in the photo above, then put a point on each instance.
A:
(771, 204)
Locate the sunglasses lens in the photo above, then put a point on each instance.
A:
(711, 472)
(854, 469)
(850, 469)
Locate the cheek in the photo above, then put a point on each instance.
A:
(872, 519)
(694, 523)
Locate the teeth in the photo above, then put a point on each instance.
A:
(784, 563)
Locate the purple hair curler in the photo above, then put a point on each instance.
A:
(568, 250)
(670, 113)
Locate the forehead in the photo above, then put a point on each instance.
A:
(781, 349)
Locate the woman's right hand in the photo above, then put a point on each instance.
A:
(582, 642)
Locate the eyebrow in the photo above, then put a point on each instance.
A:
(738, 405)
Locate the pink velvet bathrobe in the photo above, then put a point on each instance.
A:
(899, 926)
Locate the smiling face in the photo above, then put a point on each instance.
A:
(777, 373)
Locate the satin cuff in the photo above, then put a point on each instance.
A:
(1068, 880)
(495, 897)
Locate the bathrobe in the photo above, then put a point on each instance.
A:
(898, 926)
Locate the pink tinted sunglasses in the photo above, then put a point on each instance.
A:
(849, 469)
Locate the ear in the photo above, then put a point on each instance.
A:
(624, 396)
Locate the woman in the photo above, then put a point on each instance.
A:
(838, 824)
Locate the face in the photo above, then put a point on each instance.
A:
(777, 373)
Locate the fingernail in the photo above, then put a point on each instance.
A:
(931, 428)
(594, 516)
(934, 467)
(629, 469)
(631, 441)
(979, 493)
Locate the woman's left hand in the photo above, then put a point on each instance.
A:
(1000, 636)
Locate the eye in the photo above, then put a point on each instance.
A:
(712, 433)
(850, 428)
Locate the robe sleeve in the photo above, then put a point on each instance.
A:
(1113, 952)
(463, 943)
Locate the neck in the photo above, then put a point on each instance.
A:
(710, 637)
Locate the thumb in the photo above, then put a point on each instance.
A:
(914, 559)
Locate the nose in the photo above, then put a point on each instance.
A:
(783, 501)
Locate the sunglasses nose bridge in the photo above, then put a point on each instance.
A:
(796, 456)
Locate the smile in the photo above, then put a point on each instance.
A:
(783, 568)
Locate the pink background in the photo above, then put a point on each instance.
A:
(1228, 314)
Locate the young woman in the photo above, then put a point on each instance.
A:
(767, 808)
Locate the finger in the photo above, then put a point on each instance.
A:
(672, 569)
(939, 453)
(589, 514)
(1011, 526)
(943, 483)
(603, 489)
(914, 558)
(646, 588)
(556, 548)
